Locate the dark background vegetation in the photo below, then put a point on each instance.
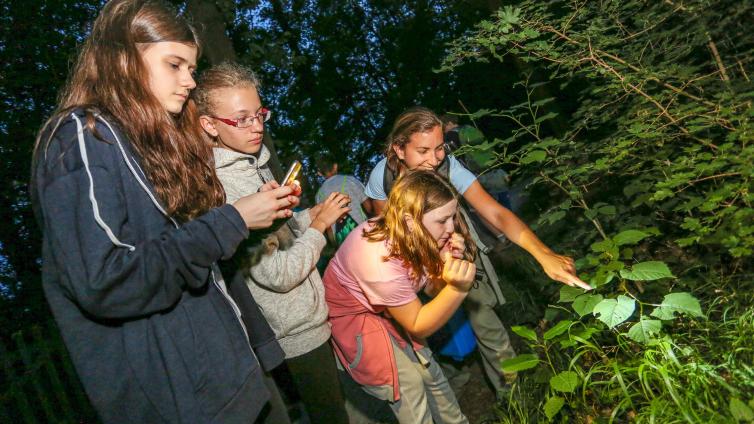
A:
(628, 125)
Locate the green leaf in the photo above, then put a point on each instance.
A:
(525, 332)
(740, 410)
(471, 135)
(584, 304)
(553, 406)
(565, 382)
(534, 156)
(584, 333)
(614, 311)
(557, 330)
(545, 117)
(647, 271)
(643, 330)
(683, 303)
(554, 217)
(607, 210)
(520, 363)
(629, 237)
(569, 294)
(602, 246)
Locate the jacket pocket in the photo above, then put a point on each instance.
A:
(216, 352)
(359, 351)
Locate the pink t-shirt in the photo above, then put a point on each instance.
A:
(359, 266)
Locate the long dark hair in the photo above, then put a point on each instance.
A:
(110, 77)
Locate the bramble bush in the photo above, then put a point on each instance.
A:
(646, 175)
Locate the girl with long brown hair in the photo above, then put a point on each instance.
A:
(378, 323)
(133, 220)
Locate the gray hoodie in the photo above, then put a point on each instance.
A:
(280, 268)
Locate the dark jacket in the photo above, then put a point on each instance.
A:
(151, 332)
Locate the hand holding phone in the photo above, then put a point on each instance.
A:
(292, 173)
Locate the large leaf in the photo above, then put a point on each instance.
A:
(520, 363)
(584, 304)
(569, 294)
(647, 271)
(557, 330)
(740, 410)
(534, 156)
(525, 332)
(565, 382)
(629, 237)
(614, 311)
(683, 303)
(643, 330)
(553, 406)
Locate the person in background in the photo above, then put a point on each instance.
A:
(416, 142)
(496, 181)
(334, 182)
(378, 322)
(279, 265)
(133, 223)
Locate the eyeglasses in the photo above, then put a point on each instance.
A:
(263, 115)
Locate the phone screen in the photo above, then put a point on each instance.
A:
(292, 173)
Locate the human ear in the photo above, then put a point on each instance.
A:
(207, 125)
(400, 151)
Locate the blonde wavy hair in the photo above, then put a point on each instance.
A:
(414, 194)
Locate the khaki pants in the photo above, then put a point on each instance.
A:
(426, 396)
(492, 338)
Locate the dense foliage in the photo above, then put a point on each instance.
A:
(647, 176)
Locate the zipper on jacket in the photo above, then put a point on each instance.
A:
(231, 303)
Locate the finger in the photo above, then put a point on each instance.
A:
(462, 267)
(575, 281)
(293, 201)
(296, 185)
(455, 265)
(282, 213)
(446, 256)
(471, 272)
(284, 203)
(282, 192)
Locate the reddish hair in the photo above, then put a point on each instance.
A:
(414, 194)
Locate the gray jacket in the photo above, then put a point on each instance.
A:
(280, 267)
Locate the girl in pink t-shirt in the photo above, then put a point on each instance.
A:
(378, 322)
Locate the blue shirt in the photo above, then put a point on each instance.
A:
(460, 177)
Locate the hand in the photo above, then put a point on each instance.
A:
(270, 185)
(335, 206)
(458, 273)
(260, 209)
(456, 245)
(561, 268)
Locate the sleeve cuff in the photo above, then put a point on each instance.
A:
(314, 237)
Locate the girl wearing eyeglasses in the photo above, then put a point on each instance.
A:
(378, 322)
(279, 265)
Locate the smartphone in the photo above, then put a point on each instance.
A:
(292, 173)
